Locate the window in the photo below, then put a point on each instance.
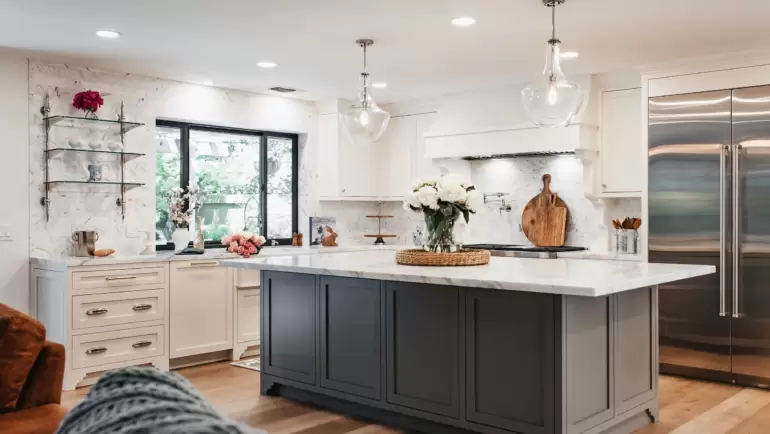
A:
(247, 179)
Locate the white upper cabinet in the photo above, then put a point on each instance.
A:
(346, 170)
(620, 153)
(398, 147)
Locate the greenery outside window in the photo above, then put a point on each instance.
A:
(247, 179)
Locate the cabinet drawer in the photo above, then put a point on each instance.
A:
(124, 279)
(118, 346)
(97, 310)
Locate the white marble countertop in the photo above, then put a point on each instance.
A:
(585, 277)
(60, 263)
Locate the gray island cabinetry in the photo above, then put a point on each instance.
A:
(445, 354)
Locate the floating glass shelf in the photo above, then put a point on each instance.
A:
(95, 151)
(127, 184)
(80, 122)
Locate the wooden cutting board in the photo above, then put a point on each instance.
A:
(544, 219)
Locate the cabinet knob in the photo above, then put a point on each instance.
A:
(604, 185)
(343, 190)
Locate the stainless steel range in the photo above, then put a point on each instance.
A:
(516, 251)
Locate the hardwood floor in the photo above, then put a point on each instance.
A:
(686, 406)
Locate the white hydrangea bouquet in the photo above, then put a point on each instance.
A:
(443, 202)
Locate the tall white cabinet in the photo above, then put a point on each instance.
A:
(620, 157)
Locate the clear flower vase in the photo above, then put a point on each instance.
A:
(439, 233)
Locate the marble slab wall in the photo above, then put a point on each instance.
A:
(145, 99)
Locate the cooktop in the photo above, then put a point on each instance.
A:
(519, 248)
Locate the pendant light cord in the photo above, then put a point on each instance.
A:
(553, 26)
(365, 102)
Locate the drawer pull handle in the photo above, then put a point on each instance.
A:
(142, 306)
(203, 264)
(141, 344)
(97, 311)
(246, 286)
(96, 350)
(109, 279)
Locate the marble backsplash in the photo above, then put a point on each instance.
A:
(521, 179)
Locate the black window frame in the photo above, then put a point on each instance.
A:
(184, 173)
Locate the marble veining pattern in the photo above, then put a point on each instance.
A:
(593, 278)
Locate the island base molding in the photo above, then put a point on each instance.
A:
(445, 359)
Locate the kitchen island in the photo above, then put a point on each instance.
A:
(519, 345)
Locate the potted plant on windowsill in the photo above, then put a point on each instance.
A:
(182, 205)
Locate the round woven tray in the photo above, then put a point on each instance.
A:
(461, 258)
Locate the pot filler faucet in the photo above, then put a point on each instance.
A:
(498, 197)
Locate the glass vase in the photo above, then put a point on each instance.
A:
(439, 233)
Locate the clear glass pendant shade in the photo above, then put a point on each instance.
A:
(552, 100)
(365, 121)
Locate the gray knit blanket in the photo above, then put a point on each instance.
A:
(144, 400)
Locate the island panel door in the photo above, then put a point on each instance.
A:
(423, 347)
(351, 323)
(510, 360)
(289, 313)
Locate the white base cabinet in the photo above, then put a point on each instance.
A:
(106, 317)
(247, 319)
(201, 308)
(109, 317)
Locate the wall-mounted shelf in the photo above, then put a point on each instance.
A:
(119, 126)
(95, 151)
(92, 124)
(126, 184)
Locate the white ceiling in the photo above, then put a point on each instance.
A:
(417, 52)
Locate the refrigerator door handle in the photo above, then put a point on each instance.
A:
(736, 226)
(723, 231)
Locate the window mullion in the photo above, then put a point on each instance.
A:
(263, 182)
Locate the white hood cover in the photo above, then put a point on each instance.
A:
(494, 123)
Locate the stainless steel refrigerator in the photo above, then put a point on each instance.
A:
(709, 203)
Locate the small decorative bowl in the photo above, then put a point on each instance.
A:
(76, 143)
(96, 144)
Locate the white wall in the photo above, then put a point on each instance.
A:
(14, 176)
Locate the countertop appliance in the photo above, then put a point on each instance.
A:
(516, 251)
(709, 203)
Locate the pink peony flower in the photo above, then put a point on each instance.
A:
(253, 249)
(226, 240)
(233, 247)
(246, 255)
(258, 242)
(235, 237)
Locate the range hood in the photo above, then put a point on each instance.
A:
(515, 140)
(492, 122)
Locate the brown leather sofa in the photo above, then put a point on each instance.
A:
(31, 375)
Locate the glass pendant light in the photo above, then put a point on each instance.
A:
(553, 100)
(365, 121)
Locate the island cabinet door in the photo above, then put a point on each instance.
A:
(351, 336)
(423, 341)
(510, 360)
(289, 324)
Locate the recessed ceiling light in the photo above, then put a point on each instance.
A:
(108, 34)
(569, 54)
(266, 64)
(463, 21)
(208, 83)
(379, 85)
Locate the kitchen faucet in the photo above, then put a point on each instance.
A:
(248, 220)
(498, 197)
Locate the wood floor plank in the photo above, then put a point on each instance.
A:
(699, 399)
(728, 414)
(686, 406)
(759, 423)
